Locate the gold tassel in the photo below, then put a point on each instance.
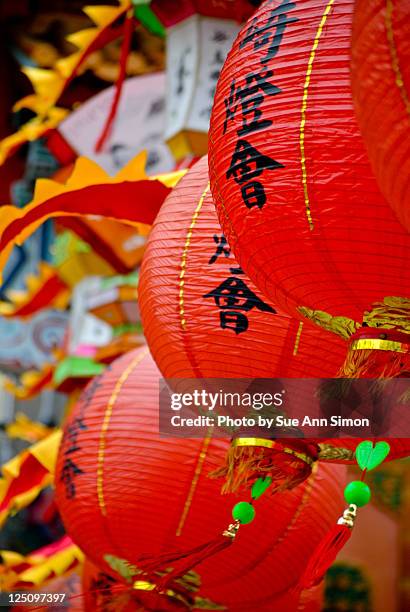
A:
(245, 463)
(364, 363)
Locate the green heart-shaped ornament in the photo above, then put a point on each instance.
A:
(369, 457)
(259, 487)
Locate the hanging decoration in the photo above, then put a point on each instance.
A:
(381, 92)
(139, 125)
(196, 48)
(130, 197)
(135, 527)
(295, 192)
(357, 494)
(101, 591)
(104, 322)
(198, 37)
(96, 237)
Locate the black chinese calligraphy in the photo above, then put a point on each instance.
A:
(71, 444)
(182, 72)
(220, 36)
(249, 97)
(269, 33)
(244, 106)
(157, 107)
(234, 298)
(248, 163)
(221, 249)
(68, 473)
(215, 66)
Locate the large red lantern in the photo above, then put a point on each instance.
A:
(294, 190)
(129, 497)
(381, 92)
(202, 316)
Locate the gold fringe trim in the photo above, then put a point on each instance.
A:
(392, 312)
(263, 442)
(376, 344)
(245, 463)
(361, 362)
(342, 326)
(327, 452)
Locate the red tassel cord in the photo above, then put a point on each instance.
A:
(327, 551)
(125, 50)
(181, 563)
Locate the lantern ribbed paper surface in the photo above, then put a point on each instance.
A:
(294, 189)
(126, 495)
(381, 91)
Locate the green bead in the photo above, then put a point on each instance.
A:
(243, 512)
(358, 493)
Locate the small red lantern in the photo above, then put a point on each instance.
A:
(381, 92)
(130, 498)
(294, 190)
(202, 316)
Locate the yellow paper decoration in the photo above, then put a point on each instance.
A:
(45, 455)
(41, 566)
(50, 84)
(86, 173)
(24, 428)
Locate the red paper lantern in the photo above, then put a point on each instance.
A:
(202, 316)
(128, 496)
(381, 92)
(294, 190)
